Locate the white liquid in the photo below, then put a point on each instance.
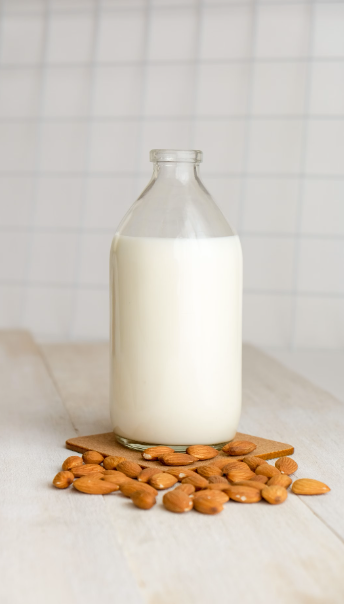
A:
(176, 339)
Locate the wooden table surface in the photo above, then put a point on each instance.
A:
(64, 547)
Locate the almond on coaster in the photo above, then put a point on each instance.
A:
(143, 500)
(153, 453)
(92, 457)
(281, 480)
(177, 459)
(286, 465)
(93, 486)
(129, 468)
(86, 469)
(197, 481)
(208, 506)
(208, 471)
(216, 495)
(72, 462)
(63, 479)
(243, 494)
(147, 473)
(202, 452)
(221, 462)
(177, 501)
(267, 470)
(217, 479)
(253, 462)
(239, 447)
(180, 473)
(274, 494)
(234, 465)
(112, 461)
(309, 486)
(162, 481)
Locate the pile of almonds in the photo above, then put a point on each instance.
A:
(205, 489)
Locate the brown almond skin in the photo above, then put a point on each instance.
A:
(207, 471)
(202, 452)
(253, 484)
(129, 468)
(239, 447)
(131, 486)
(86, 469)
(143, 500)
(221, 462)
(267, 470)
(237, 474)
(208, 506)
(286, 465)
(216, 479)
(177, 459)
(177, 501)
(72, 462)
(275, 494)
(147, 473)
(115, 478)
(92, 457)
(111, 462)
(197, 481)
(154, 453)
(244, 494)
(309, 486)
(94, 486)
(281, 480)
(189, 489)
(218, 486)
(253, 462)
(63, 479)
(162, 481)
(180, 473)
(216, 495)
(260, 478)
(234, 465)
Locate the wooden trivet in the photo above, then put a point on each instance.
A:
(106, 444)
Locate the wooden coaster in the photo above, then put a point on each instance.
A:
(106, 444)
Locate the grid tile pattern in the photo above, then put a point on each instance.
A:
(88, 87)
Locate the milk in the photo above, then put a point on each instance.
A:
(176, 339)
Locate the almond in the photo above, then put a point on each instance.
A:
(216, 495)
(110, 472)
(239, 447)
(286, 465)
(111, 462)
(243, 494)
(176, 501)
(218, 486)
(267, 470)
(143, 500)
(115, 478)
(189, 489)
(162, 481)
(197, 481)
(208, 471)
(234, 465)
(309, 486)
(153, 453)
(92, 457)
(93, 486)
(274, 494)
(72, 462)
(253, 484)
(237, 474)
(208, 506)
(281, 480)
(86, 469)
(177, 459)
(180, 473)
(221, 462)
(217, 479)
(147, 473)
(253, 462)
(131, 486)
(202, 452)
(260, 478)
(63, 479)
(129, 468)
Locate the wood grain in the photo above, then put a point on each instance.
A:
(106, 444)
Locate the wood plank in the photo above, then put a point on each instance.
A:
(56, 546)
(279, 554)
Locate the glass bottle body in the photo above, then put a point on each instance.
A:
(175, 302)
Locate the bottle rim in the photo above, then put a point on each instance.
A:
(176, 155)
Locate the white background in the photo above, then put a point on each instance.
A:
(87, 88)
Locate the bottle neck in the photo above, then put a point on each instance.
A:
(183, 172)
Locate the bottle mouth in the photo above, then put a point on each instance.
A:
(176, 155)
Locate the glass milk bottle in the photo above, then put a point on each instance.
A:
(175, 301)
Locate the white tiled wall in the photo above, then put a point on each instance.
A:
(88, 87)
